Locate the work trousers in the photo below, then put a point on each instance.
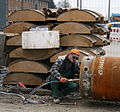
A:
(62, 89)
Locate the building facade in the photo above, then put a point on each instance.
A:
(14, 5)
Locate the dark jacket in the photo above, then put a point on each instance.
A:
(64, 68)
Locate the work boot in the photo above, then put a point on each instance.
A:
(56, 100)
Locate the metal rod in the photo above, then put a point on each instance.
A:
(109, 7)
(80, 4)
(22, 5)
(68, 103)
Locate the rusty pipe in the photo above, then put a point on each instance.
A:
(100, 78)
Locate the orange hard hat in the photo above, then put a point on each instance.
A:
(110, 25)
(75, 51)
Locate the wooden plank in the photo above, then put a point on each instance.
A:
(27, 66)
(98, 29)
(27, 15)
(77, 40)
(100, 41)
(73, 27)
(17, 40)
(103, 38)
(32, 54)
(102, 31)
(8, 35)
(18, 27)
(94, 51)
(97, 13)
(62, 53)
(107, 42)
(25, 78)
(14, 41)
(51, 19)
(78, 15)
(66, 52)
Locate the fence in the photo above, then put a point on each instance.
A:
(106, 8)
(113, 49)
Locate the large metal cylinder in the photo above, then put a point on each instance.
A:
(100, 78)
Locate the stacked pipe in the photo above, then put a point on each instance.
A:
(78, 29)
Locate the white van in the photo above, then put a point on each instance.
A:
(115, 31)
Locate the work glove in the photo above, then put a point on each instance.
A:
(63, 79)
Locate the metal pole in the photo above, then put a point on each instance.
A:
(109, 5)
(3, 13)
(36, 4)
(80, 4)
(22, 5)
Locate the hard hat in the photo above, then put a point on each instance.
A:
(75, 51)
(109, 25)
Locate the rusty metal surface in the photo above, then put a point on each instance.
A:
(85, 76)
(104, 79)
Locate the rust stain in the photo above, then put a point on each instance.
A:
(105, 78)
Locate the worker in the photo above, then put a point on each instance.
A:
(63, 69)
(109, 29)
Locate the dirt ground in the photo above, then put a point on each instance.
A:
(15, 104)
(10, 103)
